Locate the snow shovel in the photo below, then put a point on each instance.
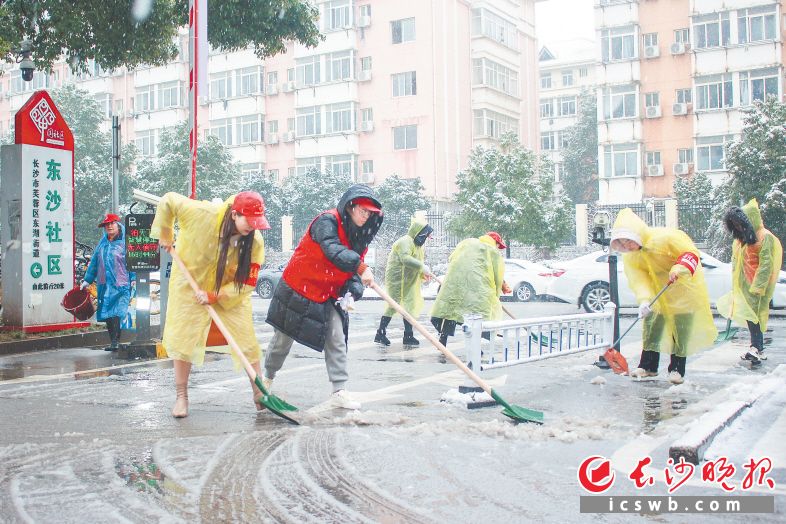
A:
(729, 334)
(270, 401)
(618, 363)
(517, 413)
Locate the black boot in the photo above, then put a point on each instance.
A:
(409, 338)
(381, 338)
(113, 326)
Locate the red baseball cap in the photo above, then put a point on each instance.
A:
(498, 239)
(251, 205)
(367, 203)
(108, 219)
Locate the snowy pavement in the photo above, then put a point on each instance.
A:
(88, 438)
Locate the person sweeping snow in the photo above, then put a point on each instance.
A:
(680, 322)
(325, 275)
(222, 250)
(472, 285)
(756, 260)
(404, 273)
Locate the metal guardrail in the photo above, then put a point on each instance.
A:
(513, 342)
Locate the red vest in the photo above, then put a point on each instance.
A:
(310, 273)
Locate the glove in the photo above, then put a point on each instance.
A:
(427, 271)
(83, 285)
(644, 310)
(347, 302)
(506, 288)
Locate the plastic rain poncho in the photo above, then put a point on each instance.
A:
(755, 271)
(107, 269)
(187, 322)
(404, 271)
(473, 283)
(686, 302)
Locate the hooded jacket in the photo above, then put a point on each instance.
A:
(322, 249)
(188, 323)
(473, 283)
(647, 271)
(404, 271)
(107, 269)
(755, 270)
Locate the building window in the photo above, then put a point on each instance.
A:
(402, 30)
(339, 66)
(547, 108)
(340, 165)
(758, 85)
(583, 72)
(684, 96)
(490, 25)
(547, 142)
(712, 30)
(291, 124)
(567, 78)
(489, 73)
(685, 156)
(272, 126)
(652, 158)
(652, 100)
(304, 165)
(309, 121)
(291, 74)
(563, 139)
(404, 84)
(367, 114)
(712, 157)
(272, 78)
(757, 24)
(714, 92)
(145, 98)
(545, 80)
(248, 129)
(491, 124)
(252, 169)
(145, 143)
(682, 36)
(405, 137)
(169, 95)
(222, 129)
(365, 10)
(365, 63)
(650, 39)
(273, 175)
(618, 44)
(340, 118)
(621, 160)
(337, 15)
(291, 171)
(249, 80)
(105, 104)
(619, 102)
(567, 106)
(220, 86)
(367, 168)
(307, 71)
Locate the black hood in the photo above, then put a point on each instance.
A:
(422, 236)
(740, 227)
(360, 238)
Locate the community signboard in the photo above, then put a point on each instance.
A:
(141, 251)
(37, 203)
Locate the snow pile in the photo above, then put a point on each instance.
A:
(454, 398)
(371, 418)
(598, 381)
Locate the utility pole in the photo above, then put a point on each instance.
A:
(115, 164)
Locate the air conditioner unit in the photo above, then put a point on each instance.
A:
(288, 87)
(272, 89)
(367, 126)
(652, 112)
(364, 76)
(289, 136)
(272, 138)
(682, 168)
(651, 51)
(364, 21)
(678, 48)
(680, 108)
(655, 170)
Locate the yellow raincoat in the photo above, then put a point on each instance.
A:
(683, 311)
(187, 322)
(473, 283)
(755, 270)
(404, 271)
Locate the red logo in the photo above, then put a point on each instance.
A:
(591, 478)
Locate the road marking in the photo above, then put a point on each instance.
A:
(73, 374)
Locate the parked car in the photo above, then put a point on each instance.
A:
(526, 279)
(268, 280)
(585, 281)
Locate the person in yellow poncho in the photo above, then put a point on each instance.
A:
(404, 273)
(680, 322)
(473, 284)
(756, 261)
(222, 250)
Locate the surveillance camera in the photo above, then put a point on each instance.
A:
(28, 68)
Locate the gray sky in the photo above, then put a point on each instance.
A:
(564, 19)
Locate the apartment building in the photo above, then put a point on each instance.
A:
(403, 87)
(674, 80)
(566, 69)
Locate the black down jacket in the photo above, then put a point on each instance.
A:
(305, 320)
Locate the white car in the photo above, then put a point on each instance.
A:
(526, 279)
(585, 281)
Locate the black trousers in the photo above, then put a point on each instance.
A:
(757, 337)
(113, 327)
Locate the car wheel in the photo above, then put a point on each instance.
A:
(265, 288)
(524, 292)
(596, 295)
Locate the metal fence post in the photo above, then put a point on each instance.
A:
(473, 327)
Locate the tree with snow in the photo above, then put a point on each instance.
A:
(401, 198)
(580, 158)
(307, 194)
(509, 190)
(694, 195)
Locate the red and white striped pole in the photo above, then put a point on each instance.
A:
(197, 75)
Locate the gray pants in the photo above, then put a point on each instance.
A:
(335, 352)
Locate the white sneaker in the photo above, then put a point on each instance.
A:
(676, 378)
(753, 355)
(342, 399)
(642, 373)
